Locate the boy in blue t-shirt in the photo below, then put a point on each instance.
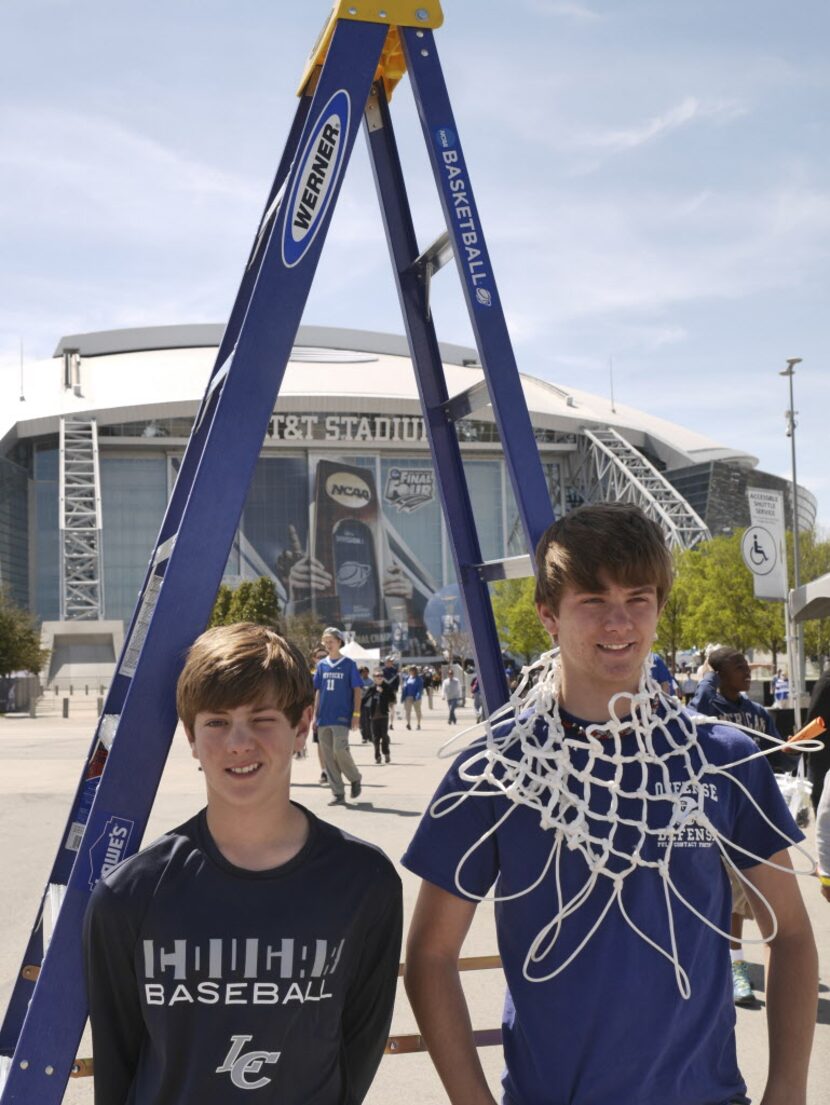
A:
(338, 691)
(618, 989)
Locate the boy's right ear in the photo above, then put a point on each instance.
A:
(548, 619)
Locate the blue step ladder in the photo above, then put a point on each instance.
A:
(360, 56)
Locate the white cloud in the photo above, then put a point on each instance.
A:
(690, 108)
(578, 12)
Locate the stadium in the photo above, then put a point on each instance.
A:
(343, 513)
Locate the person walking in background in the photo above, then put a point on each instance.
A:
(317, 655)
(365, 716)
(819, 762)
(781, 689)
(338, 692)
(428, 675)
(478, 701)
(413, 689)
(451, 692)
(378, 699)
(393, 681)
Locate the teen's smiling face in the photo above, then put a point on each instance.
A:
(245, 752)
(603, 636)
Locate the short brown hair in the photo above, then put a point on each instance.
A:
(616, 539)
(718, 657)
(233, 665)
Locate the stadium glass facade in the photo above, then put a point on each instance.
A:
(384, 571)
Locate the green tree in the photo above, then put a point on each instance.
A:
(252, 601)
(19, 639)
(517, 622)
(219, 614)
(304, 630)
(672, 628)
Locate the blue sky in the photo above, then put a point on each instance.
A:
(653, 180)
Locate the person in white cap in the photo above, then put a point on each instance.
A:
(338, 691)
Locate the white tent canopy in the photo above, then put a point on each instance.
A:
(355, 651)
(811, 600)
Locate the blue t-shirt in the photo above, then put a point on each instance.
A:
(336, 681)
(660, 672)
(612, 1028)
(413, 687)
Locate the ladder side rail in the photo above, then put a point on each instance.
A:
(432, 387)
(478, 283)
(119, 685)
(189, 575)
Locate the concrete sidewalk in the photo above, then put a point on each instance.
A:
(40, 762)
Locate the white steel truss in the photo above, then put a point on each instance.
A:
(610, 469)
(81, 575)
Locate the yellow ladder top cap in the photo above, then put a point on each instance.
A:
(396, 13)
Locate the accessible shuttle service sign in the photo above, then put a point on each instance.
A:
(764, 546)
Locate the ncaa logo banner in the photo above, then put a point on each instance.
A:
(320, 164)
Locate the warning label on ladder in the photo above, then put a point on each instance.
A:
(132, 651)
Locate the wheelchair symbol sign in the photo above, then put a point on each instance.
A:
(759, 550)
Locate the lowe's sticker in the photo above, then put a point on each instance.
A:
(320, 164)
(109, 846)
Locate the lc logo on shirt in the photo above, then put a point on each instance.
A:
(241, 1065)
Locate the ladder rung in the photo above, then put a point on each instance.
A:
(466, 402)
(435, 256)
(408, 1045)
(511, 567)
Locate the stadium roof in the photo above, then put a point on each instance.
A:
(161, 371)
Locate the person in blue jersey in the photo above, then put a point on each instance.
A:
(617, 984)
(250, 954)
(725, 696)
(338, 690)
(411, 693)
(661, 674)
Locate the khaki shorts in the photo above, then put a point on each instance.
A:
(740, 902)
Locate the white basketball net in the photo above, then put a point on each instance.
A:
(544, 775)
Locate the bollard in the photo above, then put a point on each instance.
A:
(66, 707)
(86, 690)
(71, 689)
(99, 705)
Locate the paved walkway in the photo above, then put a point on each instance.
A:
(41, 759)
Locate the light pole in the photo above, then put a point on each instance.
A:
(796, 676)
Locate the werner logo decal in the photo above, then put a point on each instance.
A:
(109, 847)
(320, 164)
